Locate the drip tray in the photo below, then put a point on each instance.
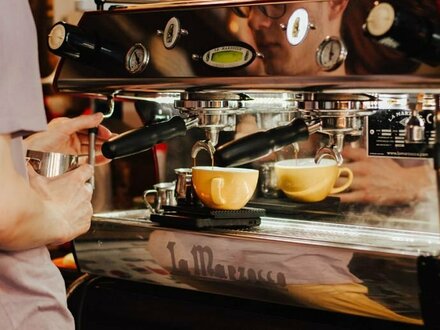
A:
(201, 217)
(284, 206)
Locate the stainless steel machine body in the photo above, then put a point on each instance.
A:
(212, 62)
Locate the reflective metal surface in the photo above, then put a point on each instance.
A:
(325, 261)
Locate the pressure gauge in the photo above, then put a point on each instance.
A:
(137, 58)
(331, 53)
(57, 36)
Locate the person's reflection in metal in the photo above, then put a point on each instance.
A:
(280, 57)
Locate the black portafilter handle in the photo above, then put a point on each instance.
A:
(254, 146)
(142, 139)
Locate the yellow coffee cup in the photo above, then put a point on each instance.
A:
(304, 181)
(224, 188)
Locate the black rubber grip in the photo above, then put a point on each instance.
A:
(260, 144)
(142, 139)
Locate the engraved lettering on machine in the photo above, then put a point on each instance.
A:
(201, 263)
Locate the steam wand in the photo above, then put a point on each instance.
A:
(94, 131)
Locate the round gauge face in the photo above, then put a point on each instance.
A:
(380, 19)
(56, 36)
(331, 53)
(137, 59)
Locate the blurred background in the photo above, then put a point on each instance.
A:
(120, 184)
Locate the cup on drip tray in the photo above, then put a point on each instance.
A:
(303, 180)
(224, 188)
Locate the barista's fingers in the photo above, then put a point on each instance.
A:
(360, 183)
(359, 169)
(353, 154)
(83, 138)
(83, 173)
(358, 196)
(31, 171)
(101, 160)
(82, 122)
(104, 134)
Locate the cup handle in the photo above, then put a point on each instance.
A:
(216, 191)
(311, 190)
(148, 193)
(341, 188)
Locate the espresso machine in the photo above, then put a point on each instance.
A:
(319, 77)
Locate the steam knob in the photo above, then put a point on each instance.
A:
(67, 40)
(417, 37)
(70, 41)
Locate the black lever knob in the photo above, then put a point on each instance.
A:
(415, 35)
(67, 40)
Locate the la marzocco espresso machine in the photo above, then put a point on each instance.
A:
(357, 81)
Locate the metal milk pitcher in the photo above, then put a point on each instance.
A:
(164, 194)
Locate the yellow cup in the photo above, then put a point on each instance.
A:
(224, 188)
(304, 181)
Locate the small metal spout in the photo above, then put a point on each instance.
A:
(415, 129)
(191, 122)
(212, 135)
(203, 145)
(331, 152)
(314, 126)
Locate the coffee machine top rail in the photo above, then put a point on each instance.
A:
(179, 46)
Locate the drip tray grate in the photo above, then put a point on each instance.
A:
(198, 218)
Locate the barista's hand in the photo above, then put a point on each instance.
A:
(69, 136)
(382, 181)
(67, 200)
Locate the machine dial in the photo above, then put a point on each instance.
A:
(57, 36)
(137, 58)
(331, 53)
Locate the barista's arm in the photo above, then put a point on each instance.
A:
(384, 181)
(49, 211)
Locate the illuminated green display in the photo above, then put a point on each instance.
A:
(228, 56)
